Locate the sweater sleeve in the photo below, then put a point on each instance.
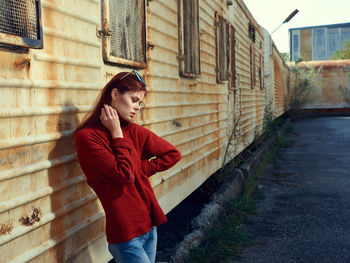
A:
(101, 165)
(164, 155)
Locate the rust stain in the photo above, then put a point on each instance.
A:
(30, 220)
(6, 228)
(109, 75)
(22, 64)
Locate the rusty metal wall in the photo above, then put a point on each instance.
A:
(252, 98)
(190, 113)
(332, 87)
(279, 83)
(276, 79)
(47, 211)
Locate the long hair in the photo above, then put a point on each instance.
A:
(129, 83)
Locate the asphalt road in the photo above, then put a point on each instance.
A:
(304, 199)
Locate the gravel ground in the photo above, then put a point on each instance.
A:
(304, 199)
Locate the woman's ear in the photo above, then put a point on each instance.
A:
(115, 94)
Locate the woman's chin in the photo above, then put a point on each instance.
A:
(127, 118)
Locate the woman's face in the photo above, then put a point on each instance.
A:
(128, 103)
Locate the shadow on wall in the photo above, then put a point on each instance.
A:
(73, 202)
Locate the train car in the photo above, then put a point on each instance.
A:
(203, 62)
(277, 78)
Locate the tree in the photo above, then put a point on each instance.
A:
(343, 53)
(303, 80)
(285, 57)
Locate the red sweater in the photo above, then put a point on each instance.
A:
(118, 170)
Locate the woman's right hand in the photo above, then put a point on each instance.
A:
(110, 119)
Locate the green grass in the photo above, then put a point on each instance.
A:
(224, 240)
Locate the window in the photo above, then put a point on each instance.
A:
(251, 32)
(20, 23)
(318, 43)
(252, 67)
(222, 49)
(233, 56)
(189, 38)
(295, 47)
(124, 32)
(261, 75)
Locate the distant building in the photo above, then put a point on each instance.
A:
(317, 42)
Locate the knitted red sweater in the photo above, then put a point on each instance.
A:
(118, 170)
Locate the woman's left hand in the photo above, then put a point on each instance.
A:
(110, 119)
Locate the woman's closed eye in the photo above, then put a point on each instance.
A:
(134, 100)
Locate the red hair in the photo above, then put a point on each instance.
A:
(128, 83)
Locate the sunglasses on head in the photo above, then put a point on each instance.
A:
(137, 75)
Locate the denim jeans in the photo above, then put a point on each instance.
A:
(140, 249)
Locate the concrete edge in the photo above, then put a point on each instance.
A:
(226, 192)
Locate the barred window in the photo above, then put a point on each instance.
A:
(222, 48)
(252, 67)
(251, 32)
(233, 56)
(124, 32)
(261, 75)
(189, 38)
(20, 23)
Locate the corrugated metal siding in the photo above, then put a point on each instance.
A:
(49, 91)
(252, 100)
(49, 211)
(198, 105)
(278, 86)
(268, 71)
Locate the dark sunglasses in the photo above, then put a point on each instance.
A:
(138, 77)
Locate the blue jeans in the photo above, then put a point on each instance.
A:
(140, 249)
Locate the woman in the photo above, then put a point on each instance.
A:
(117, 157)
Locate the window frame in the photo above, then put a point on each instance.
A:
(9, 40)
(227, 51)
(251, 32)
(106, 40)
(261, 72)
(252, 63)
(181, 43)
(232, 57)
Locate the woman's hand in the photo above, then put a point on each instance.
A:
(110, 119)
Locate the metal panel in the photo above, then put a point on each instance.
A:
(278, 85)
(45, 204)
(319, 43)
(305, 44)
(295, 45)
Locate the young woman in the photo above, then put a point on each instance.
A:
(117, 157)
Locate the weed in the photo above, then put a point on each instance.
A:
(224, 240)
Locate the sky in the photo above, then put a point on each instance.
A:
(271, 13)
